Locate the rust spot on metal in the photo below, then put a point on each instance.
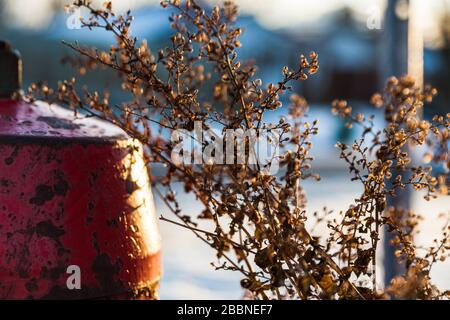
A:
(52, 273)
(4, 182)
(61, 186)
(112, 223)
(59, 123)
(105, 272)
(9, 160)
(43, 194)
(47, 229)
(32, 285)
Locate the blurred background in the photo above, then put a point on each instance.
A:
(360, 43)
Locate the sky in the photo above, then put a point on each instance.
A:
(272, 14)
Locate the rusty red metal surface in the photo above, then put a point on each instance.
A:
(73, 192)
(40, 120)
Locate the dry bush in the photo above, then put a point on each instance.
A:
(258, 219)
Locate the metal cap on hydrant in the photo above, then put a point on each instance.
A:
(77, 218)
(10, 71)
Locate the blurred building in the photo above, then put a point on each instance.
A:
(350, 54)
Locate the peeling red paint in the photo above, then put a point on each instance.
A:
(66, 199)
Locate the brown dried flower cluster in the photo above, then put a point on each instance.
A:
(257, 219)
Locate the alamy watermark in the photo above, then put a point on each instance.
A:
(75, 17)
(73, 281)
(259, 148)
(374, 18)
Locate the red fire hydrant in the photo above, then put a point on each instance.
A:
(77, 217)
